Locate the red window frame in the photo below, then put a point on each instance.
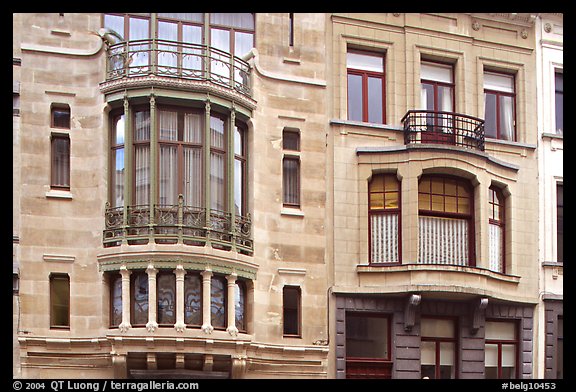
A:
(365, 74)
(496, 201)
(384, 211)
(498, 95)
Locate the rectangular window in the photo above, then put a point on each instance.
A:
(291, 30)
(59, 301)
(60, 116)
(166, 297)
(366, 89)
(60, 156)
(560, 222)
(437, 95)
(384, 212)
(139, 298)
(499, 109)
(438, 348)
(291, 303)
(501, 349)
(559, 102)
(291, 168)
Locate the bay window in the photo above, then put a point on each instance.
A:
(142, 157)
(501, 349)
(445, 221)
(366, 88)
(500, 106)
(384, 218)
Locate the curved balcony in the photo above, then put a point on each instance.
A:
(448, 128)
(177, 60)
(177, 224)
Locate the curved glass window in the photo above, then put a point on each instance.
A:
(240, 305)
(218, 302)
(116, 300)
(139, 298)
(166, 297)
(193, 299)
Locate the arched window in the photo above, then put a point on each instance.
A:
(384, 218)
(496, 230)
(445, 221)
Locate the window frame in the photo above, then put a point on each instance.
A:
(172, 276)
(385, 211)
(115, 118)
(437, 340)
(298, 292)
(558, 73)
(559, 222)
(242, 158)
(60, 108)
(201, 285)
(388, 318)
(365, 75)
(470, 216)
(140, 143)
(113, 277)
(500, 342)
(61, 277)
(495, 194)
(241, 285)
(292, 155)
(55, 136)
(499, 95)
(435, 83)
(224, 301)
(133, 277)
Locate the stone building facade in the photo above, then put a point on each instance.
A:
(279, 196)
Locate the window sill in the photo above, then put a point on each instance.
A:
(59, 194)
(510, 143)
(292, 212)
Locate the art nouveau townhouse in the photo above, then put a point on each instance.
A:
(433, 137)
(169, 195)
(286, 195)
(550, 84)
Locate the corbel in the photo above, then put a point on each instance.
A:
(410, 311)
(478, 314)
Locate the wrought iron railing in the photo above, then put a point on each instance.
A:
(172, 224)
(426, 126)
(178, 60)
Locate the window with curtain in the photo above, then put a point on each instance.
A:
(559, 102)
(115, 300)
(117, 162)
(142, 157)
(60, 161)
(445, 221)
(139, 298)
(217, 163)
(438, 348)
(291, 311)
(291, 168)
(500, 111)
(365, 72)
(135, 29)
(437, 95)
(193, 299)
(501, 349)
(59, 301)
(496, 229)
(218, 290)
(184, 28)
(384, 218)
(239, 170)
(166, 297)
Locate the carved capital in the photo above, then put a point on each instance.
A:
(152, 326)
(124, 327)
(207, 329)
(180, 327)
(232, 330)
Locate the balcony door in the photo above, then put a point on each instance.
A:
(437, 96)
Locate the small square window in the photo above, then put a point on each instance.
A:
(291, 140)
(60, 116)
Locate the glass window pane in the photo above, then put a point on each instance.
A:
(139, 311)
(490, 115)
(193, 299)
(218, 302)
(445, 99)
(364, 61)
(427, 101)
(438, 186)
(291, 181)
(500, 330)
(168, 125)
(243, 42)
(424, 201)
(436, 72)
(116, 287)
(509, 355)
(463, 205)
(437, 203)
(366, 336)
(142, 126)
(240, 306)
(61, 118)
(142, 174)
(428, 353)
(447, 353)
(217, 189)
(491, 355)
(60, 301)
(291, 140)
(424, 185)
(193, 128)
(139, 29)
(114, 22)
(166, 286)
(499, 82)
(391, 200)
(375, 104)
(239, 20)
(188, 17)
(376, 201)
(391, 183)
(451, 205)
(355, 98)
(238, 186)
(217, 132)
(450, 188)
(377, 183)
(119, 130)
(291, 310)
(506, 118)
(439, 328)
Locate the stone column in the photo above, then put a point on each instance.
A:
(231, 305)
(125, 324)
(180, 274)
(206, 287)
(152, 305)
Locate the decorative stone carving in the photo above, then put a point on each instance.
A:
(124, 327)
(524, 34)
(151, 326)
(476, 25)
(207, 328)
(396, 14)
(547, 27)
(478, 314)
(410, 311)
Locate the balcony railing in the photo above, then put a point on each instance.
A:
(177, 224)
(177, 60)
(425, 126)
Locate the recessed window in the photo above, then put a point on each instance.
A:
(59, 301)
(166, 297)
(60, 158)
(60, 116)
(559, 101)
(291, 168)
(501, 349)
(365, 72)
(438, 348)
(193, 299)
(437, 95)
(384, 212)
(115, 300)
(291, 311)
(240, 305)
(496, 229)
(218, 291)
(500, 106)
(139, 298)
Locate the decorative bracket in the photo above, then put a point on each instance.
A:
(478, 314)
(410, 311)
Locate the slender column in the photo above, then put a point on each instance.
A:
(180, 274)
(207, 144)
(231, 305)
(231, 175)
(125, 324)
(152, 303)
(153, 159)
(127, 164)
(206, 288)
